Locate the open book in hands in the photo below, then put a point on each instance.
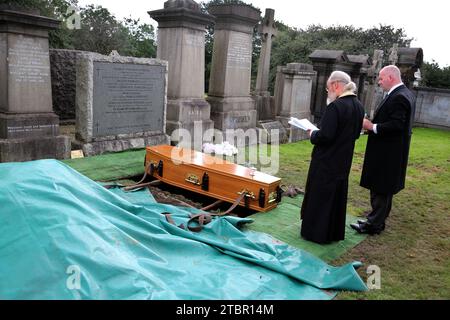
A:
(304, 124)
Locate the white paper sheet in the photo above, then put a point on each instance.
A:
(304, 124)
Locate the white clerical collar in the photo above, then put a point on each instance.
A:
(395, 87)
(347, 93)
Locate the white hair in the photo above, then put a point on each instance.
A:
(343, 77)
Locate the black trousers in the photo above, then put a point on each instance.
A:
(381, 206)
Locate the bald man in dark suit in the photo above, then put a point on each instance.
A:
(387, 150)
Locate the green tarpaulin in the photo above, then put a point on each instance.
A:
(63, 236)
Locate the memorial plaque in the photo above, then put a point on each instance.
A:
(128, 98)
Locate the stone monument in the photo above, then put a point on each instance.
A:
(325, 62)
(409, 61)
(296, 89)
(120, 103)
(29, 129)
(268, 31)
(360, 78)
(181, 42)
(232, 106)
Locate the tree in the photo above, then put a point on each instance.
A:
(295, 45)
(141, 38)
(100, 32)
(435, 77)
(57, 9)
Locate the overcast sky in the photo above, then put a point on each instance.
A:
(428, 22)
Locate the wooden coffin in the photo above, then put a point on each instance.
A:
(212, 176)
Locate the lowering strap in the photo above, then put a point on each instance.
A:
(203, 219)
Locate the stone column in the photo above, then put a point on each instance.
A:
(181, 42)
(298, 79)
(268, 31)
(229, 87)
(29, 129)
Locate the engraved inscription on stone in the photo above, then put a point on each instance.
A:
(128, 98)
(193, 40)
(240, 51)
(241, 119)
(31, 130)
(28, 62)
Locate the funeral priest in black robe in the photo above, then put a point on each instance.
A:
(324, 206)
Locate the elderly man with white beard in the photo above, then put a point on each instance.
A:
(324, 206)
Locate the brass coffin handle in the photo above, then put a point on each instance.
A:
(192, 178)
(249, 194)
(272, 197)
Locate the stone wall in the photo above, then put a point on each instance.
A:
(432, 108)
(63, 73)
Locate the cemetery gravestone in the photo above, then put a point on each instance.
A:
(181, 42)
(325, 62)
(120, 103)
(29, 129)
(229, 87)
(296, 81)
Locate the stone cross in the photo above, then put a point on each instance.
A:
(377, 60)
(377, 64)
(393, 55)
(268, 31)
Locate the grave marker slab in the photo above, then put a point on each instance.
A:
(120, 103)
(29, 130)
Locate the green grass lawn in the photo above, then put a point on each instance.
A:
(414, 250)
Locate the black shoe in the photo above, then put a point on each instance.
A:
(365, 228)
(361, 221)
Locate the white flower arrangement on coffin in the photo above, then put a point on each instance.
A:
(224, 148)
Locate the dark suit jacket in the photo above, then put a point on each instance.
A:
(386, 158)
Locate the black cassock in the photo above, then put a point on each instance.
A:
(324, 206)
